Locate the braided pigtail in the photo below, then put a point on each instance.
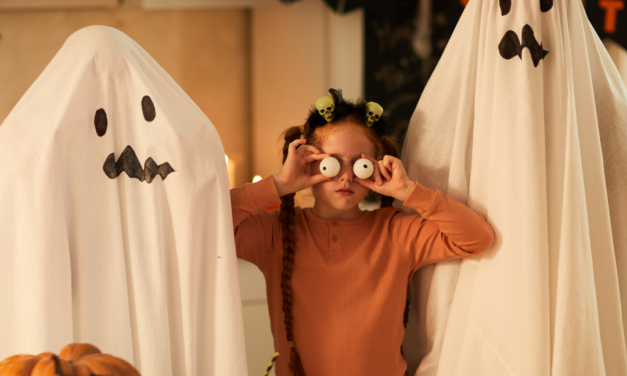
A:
(287, 218)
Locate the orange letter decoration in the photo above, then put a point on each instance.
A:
(611, 7)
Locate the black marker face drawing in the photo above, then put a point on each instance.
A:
(128, 161)
(511, 45)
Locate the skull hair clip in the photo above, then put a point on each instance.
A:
(373, 113)
(326, 108)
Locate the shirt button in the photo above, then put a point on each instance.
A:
(334, 237)
(334, 222)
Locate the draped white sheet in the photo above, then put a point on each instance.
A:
(541, 153)
(145, 271)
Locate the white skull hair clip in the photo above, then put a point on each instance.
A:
(326, 108)
(362, 168)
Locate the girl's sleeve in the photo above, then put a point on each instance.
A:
(444, 230)
(256, 230)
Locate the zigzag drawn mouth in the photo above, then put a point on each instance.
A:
(129, 163)
(511, 46)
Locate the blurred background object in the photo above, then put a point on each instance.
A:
(255, 67)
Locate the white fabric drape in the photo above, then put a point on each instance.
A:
(145, 271)
(541, 152)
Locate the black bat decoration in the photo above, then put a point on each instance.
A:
(129, 163)
(510, 46)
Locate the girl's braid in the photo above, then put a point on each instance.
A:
(287, 218)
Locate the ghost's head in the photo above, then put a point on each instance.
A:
(125, 112)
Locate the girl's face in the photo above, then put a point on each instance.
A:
(346, 145)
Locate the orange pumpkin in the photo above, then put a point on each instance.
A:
(75, 359)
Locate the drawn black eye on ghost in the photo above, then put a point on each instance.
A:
(511, 46)
(128, 162)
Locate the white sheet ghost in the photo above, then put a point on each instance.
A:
(525, 120)
(137, 258)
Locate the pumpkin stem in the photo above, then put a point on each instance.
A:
(57, 366)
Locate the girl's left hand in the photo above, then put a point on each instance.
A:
(389, 178)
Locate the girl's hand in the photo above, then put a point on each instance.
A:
(294, 175)
(389, 178)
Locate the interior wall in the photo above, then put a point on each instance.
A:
(288, 75)
(345, 60)
(205, 51)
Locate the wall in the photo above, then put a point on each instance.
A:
(205, 51)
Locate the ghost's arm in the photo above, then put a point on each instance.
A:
(445, 230)
(256, 230)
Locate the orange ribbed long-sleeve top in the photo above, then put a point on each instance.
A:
(350, 276)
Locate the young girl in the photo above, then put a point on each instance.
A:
(336, 276)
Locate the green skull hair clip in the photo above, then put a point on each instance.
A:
(373, 113)
(326, 108)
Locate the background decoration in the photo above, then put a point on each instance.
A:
(609, 19)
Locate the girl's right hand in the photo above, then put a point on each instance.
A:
(294, 175)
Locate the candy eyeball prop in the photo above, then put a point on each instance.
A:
(329, 167)
(363, 168)
(326, 108)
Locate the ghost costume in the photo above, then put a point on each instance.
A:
(115, 219)
(525, 120)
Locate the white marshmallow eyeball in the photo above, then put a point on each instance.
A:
(329, 167)
(363, 168)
